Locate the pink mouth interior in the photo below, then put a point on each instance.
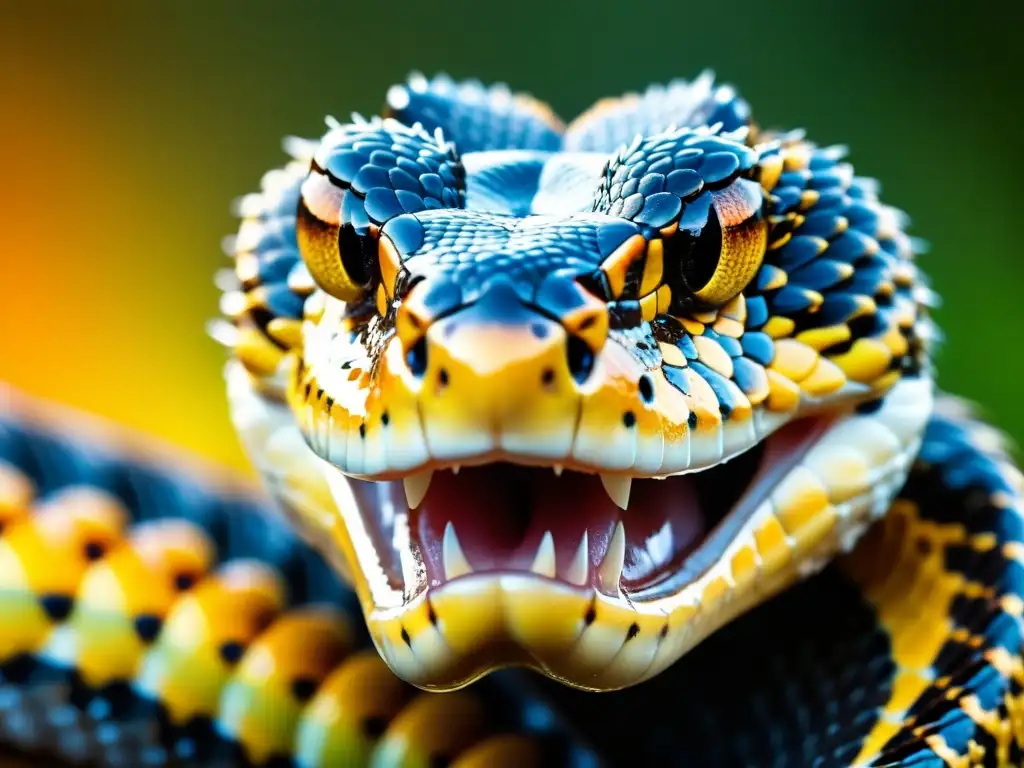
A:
(501, 512)
(674, 528)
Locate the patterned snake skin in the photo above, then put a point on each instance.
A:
(643, 402)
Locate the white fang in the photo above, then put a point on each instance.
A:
(578, 568)
(416, 487)
(544, 560)
(610, 570)
(455, 562)
(617, 487)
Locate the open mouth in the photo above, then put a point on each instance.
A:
(639, 538)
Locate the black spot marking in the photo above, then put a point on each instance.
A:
(548, 377)
(431, 613)
(634, 630)
(57, 607)
(629, 419)
(184, 581)
(330, 402)
(405, 637)
(309, 389)
(646, 387)
(871, 406)
(231, 652)
(147, 627)
(590, 616)
(303, 688)
(692, 419)
(362, 430)
(442, 377)
(664, 632)
(374, 727)
(385, 418)
(94, 550)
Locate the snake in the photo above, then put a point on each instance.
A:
(608, 442)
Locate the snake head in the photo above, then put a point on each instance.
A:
(580, 398)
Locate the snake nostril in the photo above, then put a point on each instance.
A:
(581, 358)
(646, 387)
(416, 357)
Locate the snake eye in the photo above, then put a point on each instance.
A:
(335, 253)
(720, 244)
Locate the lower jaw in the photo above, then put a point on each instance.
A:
(449, 637)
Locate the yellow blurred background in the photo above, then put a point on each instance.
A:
(127, 128)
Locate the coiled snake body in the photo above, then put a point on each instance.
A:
(600, 399)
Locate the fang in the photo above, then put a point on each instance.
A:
(544, 560)
(455, 562)
(617, 488)
(416, 487)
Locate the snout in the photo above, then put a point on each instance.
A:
(499, 375)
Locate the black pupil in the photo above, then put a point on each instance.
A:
(700, 267)
(352, 248)
(697, 257)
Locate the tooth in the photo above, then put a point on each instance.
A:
(557, 469)
(577, 573)
(455, 562)
(617, 487)
(610, 570)
(416, 487)
(455, 469)
(544, 560)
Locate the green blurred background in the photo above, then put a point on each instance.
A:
(128, 127)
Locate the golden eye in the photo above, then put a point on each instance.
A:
(723, 258)
(333, 252)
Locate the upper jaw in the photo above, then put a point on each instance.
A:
(375, 420)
